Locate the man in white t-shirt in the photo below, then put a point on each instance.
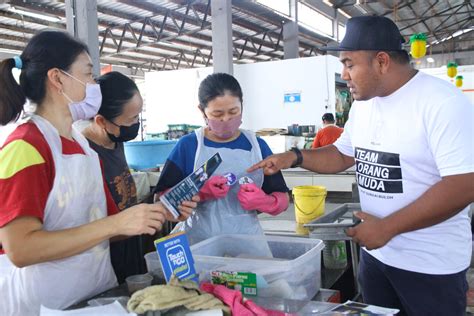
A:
(411, 138)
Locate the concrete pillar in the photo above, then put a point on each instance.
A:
(82, 23)
(222, 49)
(290, 33)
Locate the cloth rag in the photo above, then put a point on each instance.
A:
(177, 293)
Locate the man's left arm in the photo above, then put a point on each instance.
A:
(442, 201)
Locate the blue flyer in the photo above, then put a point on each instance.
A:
(189, 186)
(175, 257)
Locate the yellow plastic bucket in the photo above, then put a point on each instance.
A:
(309, 202)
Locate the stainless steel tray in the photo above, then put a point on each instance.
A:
(332, 226)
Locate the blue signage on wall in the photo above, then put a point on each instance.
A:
(294, 97)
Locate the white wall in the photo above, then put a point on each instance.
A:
(468, 78)
(264, 86)
(172, 98)
(172, 95)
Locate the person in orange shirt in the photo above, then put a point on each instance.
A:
(329, 133)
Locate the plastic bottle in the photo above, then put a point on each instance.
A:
(335, 254)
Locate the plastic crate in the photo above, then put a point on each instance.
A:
(178, 127)
(148, 154)
(176, 134)
(192, 128)
(157, 136)
(286, 267)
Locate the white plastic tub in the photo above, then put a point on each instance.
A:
(153, 265)
(286, 267)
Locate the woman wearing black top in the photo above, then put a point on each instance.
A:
(117, 122)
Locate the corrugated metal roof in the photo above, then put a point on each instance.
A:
(437, 19)
(185, 27)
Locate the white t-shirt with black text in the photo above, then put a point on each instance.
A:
(402, 145)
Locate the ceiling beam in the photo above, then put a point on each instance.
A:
(103, 23)
(447, 28)
(29, 19)
(429, 17)
(438, 15)
(25, 30)
(147, 56)
(390, 11)
(430, 31)
(204, 10)
(260, 12)
(328, 11)
(12, 47)
(447, 18)
(130, 44)
(127, 29)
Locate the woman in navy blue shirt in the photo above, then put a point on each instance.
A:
(225, 207)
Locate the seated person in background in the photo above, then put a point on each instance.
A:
(329, 133)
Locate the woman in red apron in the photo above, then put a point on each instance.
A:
(54, 223)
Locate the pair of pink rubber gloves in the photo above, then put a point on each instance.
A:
(237, 304)
(250, 196)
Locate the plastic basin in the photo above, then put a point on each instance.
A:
(148, 154)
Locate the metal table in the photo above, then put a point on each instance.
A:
(332, 226)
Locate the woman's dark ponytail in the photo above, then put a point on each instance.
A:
(12, 97)
(46, 50)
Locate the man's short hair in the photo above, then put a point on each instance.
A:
(398, 56)
(328, 117)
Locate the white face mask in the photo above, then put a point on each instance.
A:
(87, 108)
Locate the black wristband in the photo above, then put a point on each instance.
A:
(299, 157)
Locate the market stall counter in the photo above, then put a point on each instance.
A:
(283, 225)
(290, 264)
(121, 294)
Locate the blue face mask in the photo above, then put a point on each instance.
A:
(87, 108)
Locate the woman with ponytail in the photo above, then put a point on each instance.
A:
(56, 213)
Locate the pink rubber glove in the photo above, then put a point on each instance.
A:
(215, 187)
(254, 308)
(238, 305)
(231, 298)
(252, 198)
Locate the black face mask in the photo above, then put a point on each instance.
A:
(126, 133)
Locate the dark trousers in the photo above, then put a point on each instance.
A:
(413, 293)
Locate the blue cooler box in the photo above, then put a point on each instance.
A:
(148, 154)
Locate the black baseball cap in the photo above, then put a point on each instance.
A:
(370, 33)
